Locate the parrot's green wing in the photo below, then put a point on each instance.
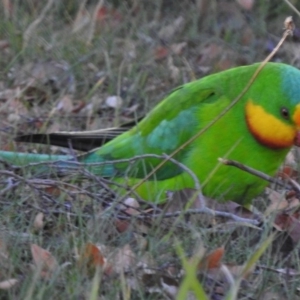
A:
(169, 125)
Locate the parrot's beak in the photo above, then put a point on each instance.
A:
(296, 118)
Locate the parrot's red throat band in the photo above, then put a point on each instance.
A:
(267, 129)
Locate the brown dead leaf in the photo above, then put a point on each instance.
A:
(288, 172)
(246, 4)
(168, 32)
(38, 222)
(279, 202)
(65, 104)
(122, 225)
(130, 206)
(104, 14)
(294, 230)
(44, 261)
(91, 258)
(110, 260)
(53, 190)
(78, 106)
(123, 260)
(178, 48)
(290, 224)
(7, 284)
(161, 52)
(212, 260)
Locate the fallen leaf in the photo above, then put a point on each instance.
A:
(114, 101)
(288, 172)
(7, 284)
(168, 32)
(161, 52)
(105, 13)
(92, 256)
(246, 4)
(78, 107)
(53, 190)
(44, 261)
(130, 206)
(122, 225)
(65, 104)
(178, 48)
(212, 260)
(279, 202)
(123, 260)
(290, 224)
(38, 222)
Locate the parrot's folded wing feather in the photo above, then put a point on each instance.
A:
(168, 126)
(78, 140)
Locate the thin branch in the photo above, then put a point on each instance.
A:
(252, 171)
(293, 185)
(204, 210)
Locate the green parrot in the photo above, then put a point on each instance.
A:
(257, 131)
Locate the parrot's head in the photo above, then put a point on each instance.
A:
(273, 115)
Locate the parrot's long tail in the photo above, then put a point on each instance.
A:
(30, 160)
(21, 159)
(44, 165)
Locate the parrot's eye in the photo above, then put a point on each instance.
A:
(285, 113)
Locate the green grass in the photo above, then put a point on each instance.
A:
(123, 55)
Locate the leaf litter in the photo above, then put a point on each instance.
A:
(129, 241)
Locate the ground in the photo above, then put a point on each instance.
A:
(85, 65)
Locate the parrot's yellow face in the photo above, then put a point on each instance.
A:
(270, 130)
